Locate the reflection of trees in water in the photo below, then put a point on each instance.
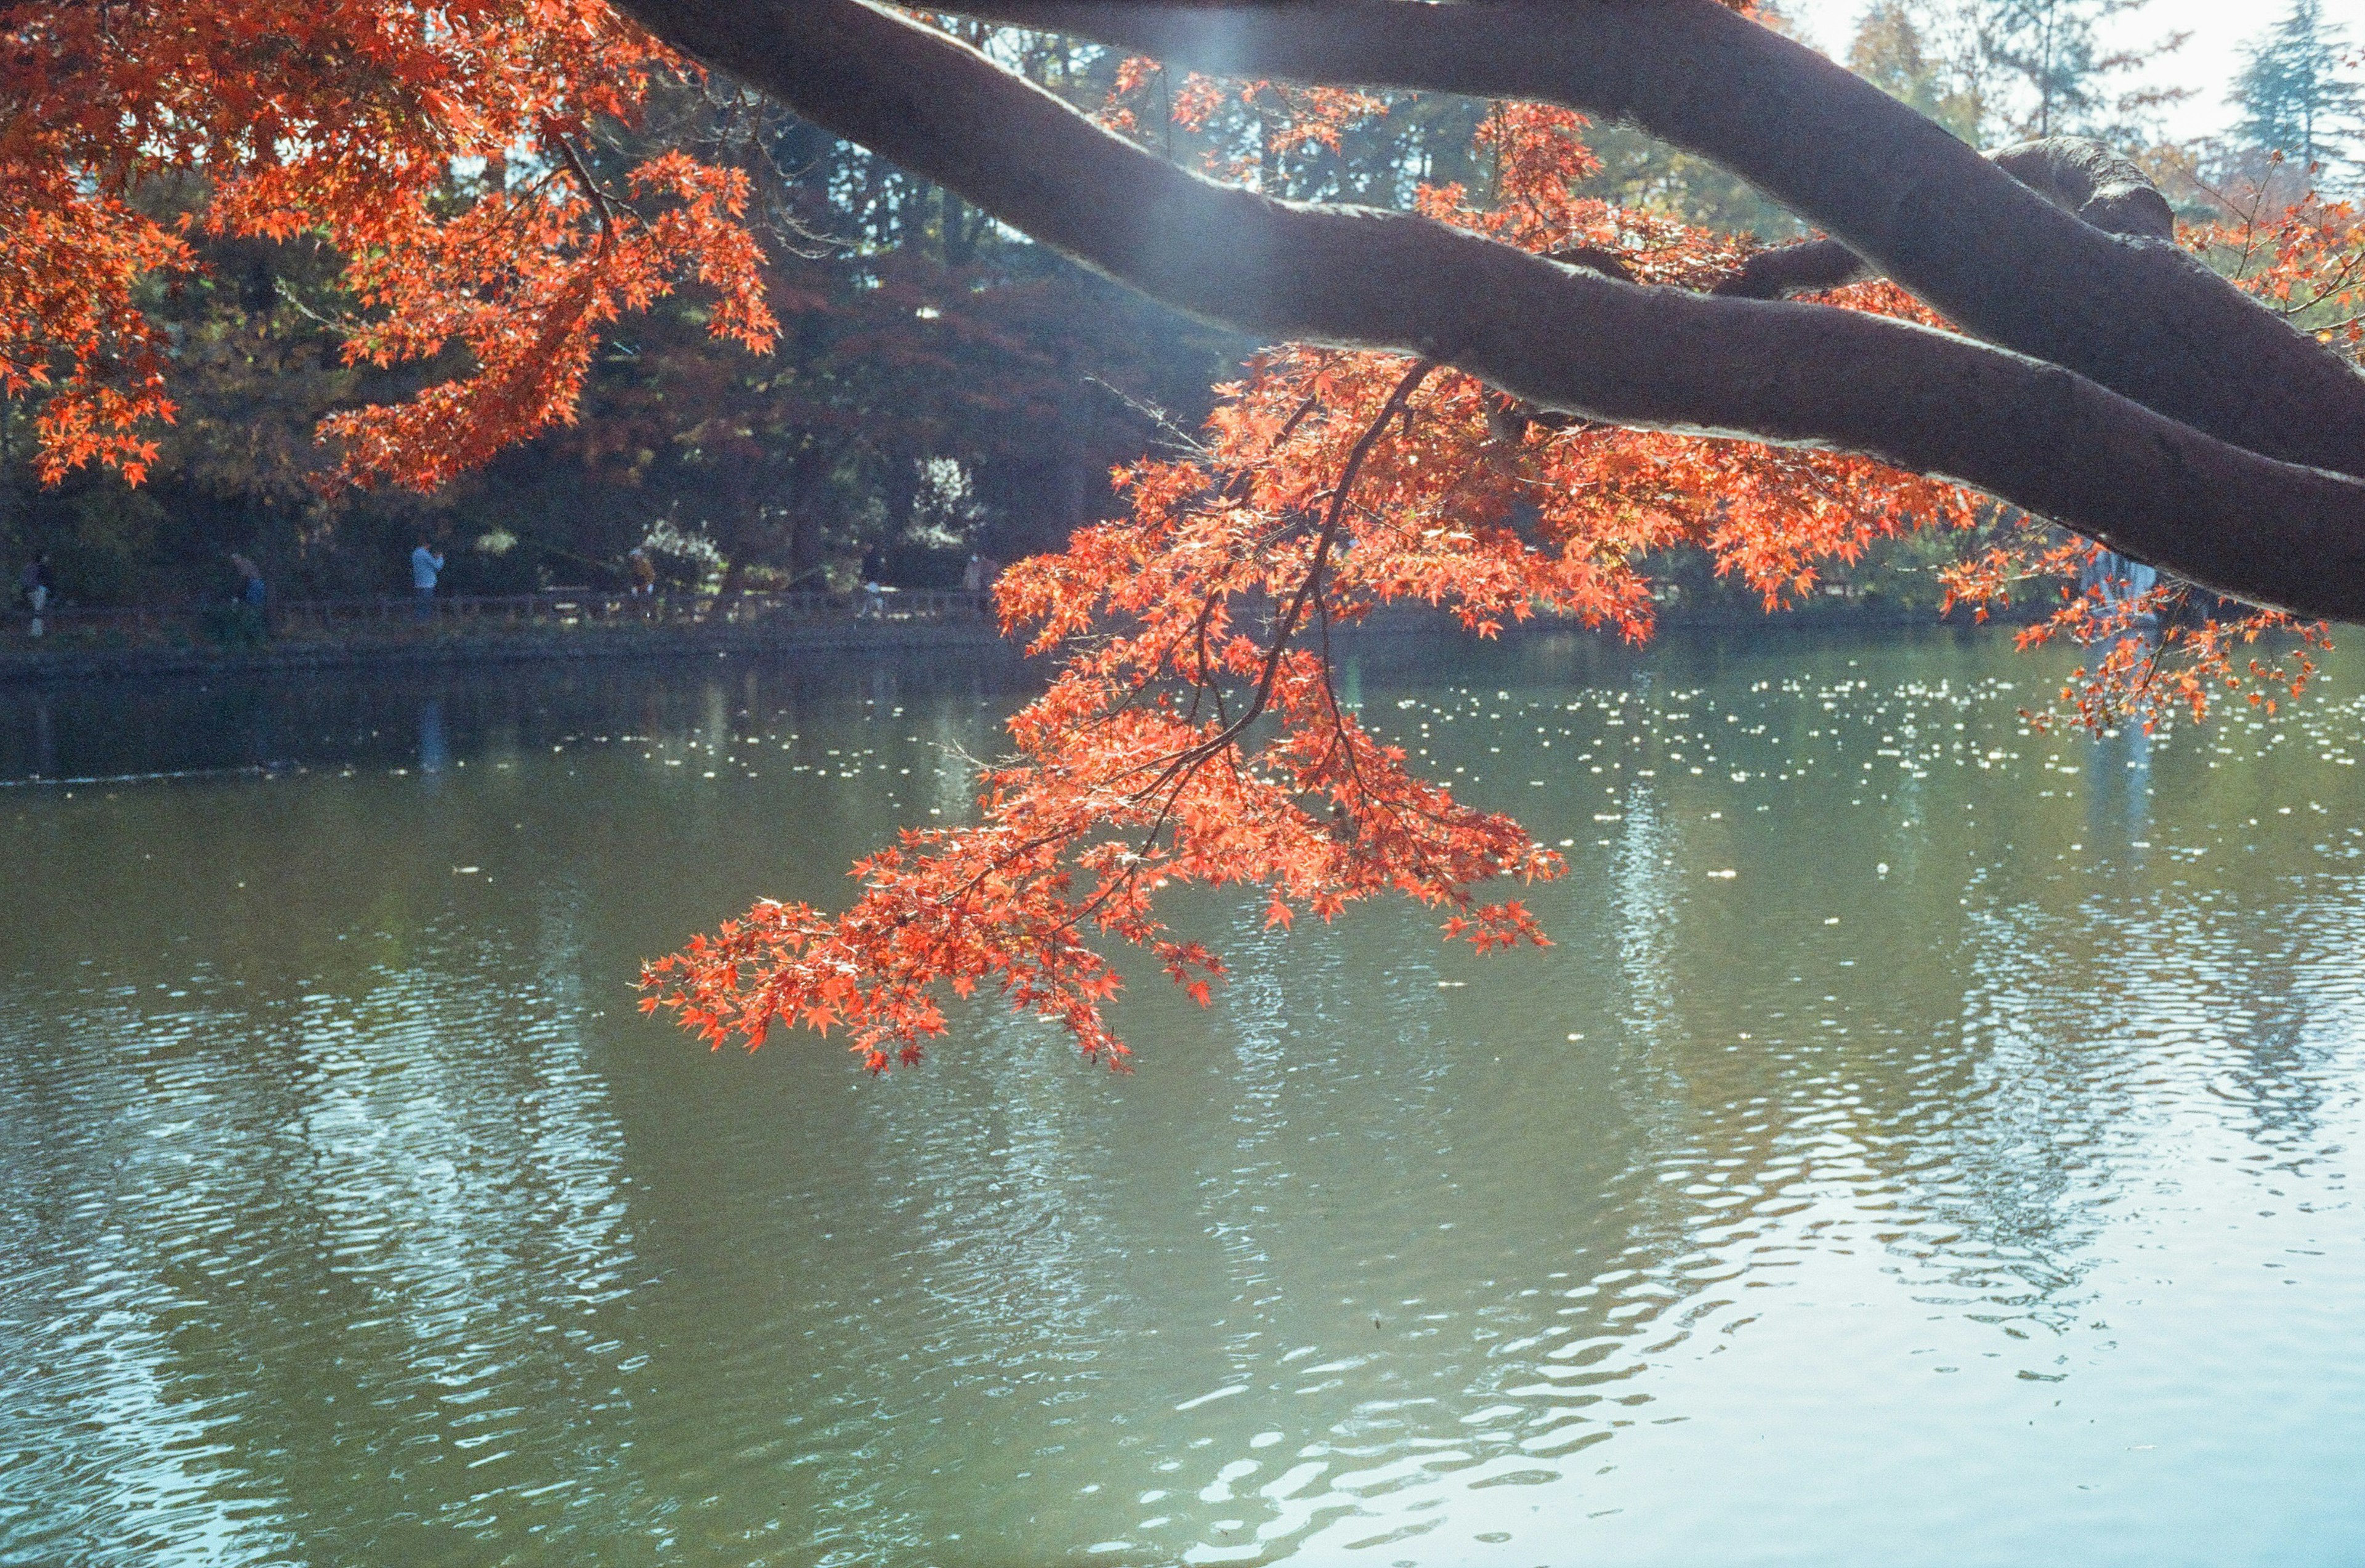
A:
(45, 739)
(2070, 1082)
(983, 1225)
(374, 718)
(106, 1201)
(2008, 1159)
(2269, 999)
(1384, 1275)
(2118, 788)
(434, 749)
(2278, 1075)
(409, 1240)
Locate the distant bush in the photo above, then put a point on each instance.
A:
(234, 626)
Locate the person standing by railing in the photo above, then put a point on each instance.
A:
(645, 581)
(36, 584)
(251, 591)
(247, 621)
(426, 564)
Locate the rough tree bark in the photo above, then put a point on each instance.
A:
(2076, 175)
(2149, 406)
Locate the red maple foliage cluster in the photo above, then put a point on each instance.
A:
(346, 119)
(1193, 735)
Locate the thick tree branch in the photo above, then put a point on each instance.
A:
(2030, 433)
(2085, 177)
(2137, 315)
(2076, 175)
(1810, 266)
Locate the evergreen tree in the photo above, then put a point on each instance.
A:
(2066, 71)
(2292, 93)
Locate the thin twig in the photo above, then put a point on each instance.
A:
(601, 202)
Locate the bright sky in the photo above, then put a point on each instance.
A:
(2207, 62)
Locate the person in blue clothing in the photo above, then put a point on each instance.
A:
(36, 587)
(251, 588)
(426, 563)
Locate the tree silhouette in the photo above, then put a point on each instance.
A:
(2294, 96)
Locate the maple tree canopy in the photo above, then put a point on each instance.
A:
(1500, 403)
(2113, 383)
(2099, 375)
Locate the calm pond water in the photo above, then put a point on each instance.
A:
(1928, 1142)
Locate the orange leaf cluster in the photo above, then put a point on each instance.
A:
(362, 123)
(2164, 647)
(1193, 735)
(2307, 262)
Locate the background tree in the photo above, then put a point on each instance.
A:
(2015, 70)
(2293, 92)
(256, 369)
(916, 334)
(1890, 51)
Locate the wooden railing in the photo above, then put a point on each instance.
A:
(560, 609)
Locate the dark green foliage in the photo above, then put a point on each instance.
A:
(234, 626)
(2293, 94)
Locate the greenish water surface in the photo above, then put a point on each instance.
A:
(1927, 1142)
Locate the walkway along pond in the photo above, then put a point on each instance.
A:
(85, 643)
